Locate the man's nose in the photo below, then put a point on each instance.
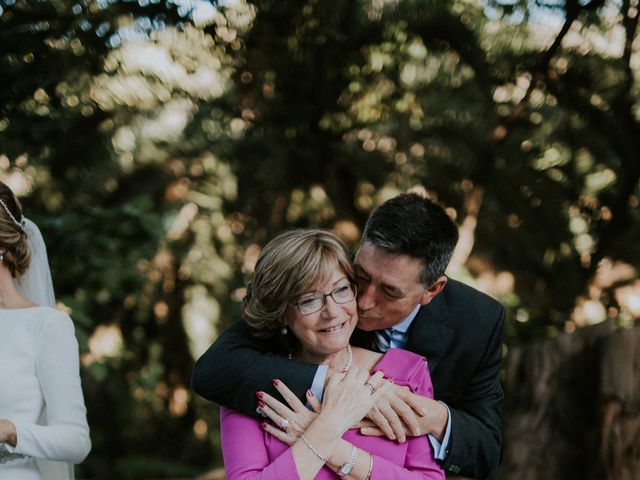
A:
(366, 298)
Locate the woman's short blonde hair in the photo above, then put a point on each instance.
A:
(13, 239)
(293, 263)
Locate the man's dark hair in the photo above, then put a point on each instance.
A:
(413, 225)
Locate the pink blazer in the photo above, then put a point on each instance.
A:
(251, 453)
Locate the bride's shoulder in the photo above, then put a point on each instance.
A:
(55, 325)
(50, 314)
(45, 316)
(36, 320)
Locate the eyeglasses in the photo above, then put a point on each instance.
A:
(314, 303)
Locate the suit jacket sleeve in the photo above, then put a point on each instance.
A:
(238, 365)
(475, 445)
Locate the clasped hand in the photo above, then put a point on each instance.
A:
(396, 415)
(402, 413)
(7, 432)
(347, 399)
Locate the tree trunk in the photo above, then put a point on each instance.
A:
(572, 406)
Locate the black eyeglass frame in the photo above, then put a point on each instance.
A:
(352, 286)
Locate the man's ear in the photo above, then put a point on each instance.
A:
(434, 289)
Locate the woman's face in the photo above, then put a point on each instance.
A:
(328, 330)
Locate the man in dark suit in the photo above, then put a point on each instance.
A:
(404, 301)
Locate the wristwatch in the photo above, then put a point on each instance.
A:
(347, 467)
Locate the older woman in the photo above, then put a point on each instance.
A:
(42, 412)
(303, 294)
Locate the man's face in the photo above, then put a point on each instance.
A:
(388, 287)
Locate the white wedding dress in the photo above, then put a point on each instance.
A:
(39, 373)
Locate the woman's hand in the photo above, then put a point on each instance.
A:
(349, 397)
(8, 432)
(297, 416)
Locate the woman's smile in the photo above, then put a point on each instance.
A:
(334, 328)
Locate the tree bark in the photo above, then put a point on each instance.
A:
(572, 406)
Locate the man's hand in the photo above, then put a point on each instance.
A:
(400, 413)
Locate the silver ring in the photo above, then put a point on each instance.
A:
(284, 424)
(371, 387)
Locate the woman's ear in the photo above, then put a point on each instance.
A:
(284, 323)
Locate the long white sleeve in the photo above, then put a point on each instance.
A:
(65, 437)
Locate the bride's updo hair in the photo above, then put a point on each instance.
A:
(13, 239)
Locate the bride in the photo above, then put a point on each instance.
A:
(43, 425)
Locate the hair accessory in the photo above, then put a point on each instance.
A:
(313, 449)
(20, 224)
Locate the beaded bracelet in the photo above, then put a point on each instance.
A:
(7, 456)
(313, 449)
(370, 467)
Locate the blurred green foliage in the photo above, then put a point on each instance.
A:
(159, 144)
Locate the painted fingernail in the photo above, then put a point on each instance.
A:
(264, 425)
(276, 382)
(309, 393)
(260, 403)
(260, 394)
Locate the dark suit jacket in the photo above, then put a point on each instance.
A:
(459, 333)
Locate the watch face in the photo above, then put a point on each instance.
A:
(345, 469)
